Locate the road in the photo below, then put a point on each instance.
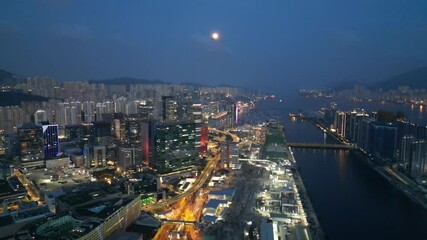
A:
(233, 136)
(246, 182)
(200, 181)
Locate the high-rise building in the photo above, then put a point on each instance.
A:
(11, 117)
(405, 151)
(169, 108)
(88, 135)
(31, 145)
(132, 132)
(229, 154)
(148, 129)
(126, 158)
(40, 116)
(174, 146)
(82, 134)
(120, 105)
(89, 112)
(204, 134)
(340, 123)
(418, 164)
(102, 131)
(50, 141)
(2, 144)
(363, 134)
(146, 109)
(73, 132)
(132, 136)
(95, 156)
(353, 120)
(383, 140)
(411, 129)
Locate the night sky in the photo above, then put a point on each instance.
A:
(271, 44)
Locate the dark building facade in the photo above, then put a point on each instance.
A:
(383, 140)
(418, 164)
(169, 108)
(50, 141)
(31, 146)
(174, 146)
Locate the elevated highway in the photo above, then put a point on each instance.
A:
(181, 222)
(200, 181)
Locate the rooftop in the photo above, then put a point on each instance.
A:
(214, 203)
(146, 220)
(11, 186)
(102, 209)
(50, 180)
(74, 225)
(122, 235)
(209, 219)
(229, 192)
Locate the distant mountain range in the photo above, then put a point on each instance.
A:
(9, 78)
(15, 98)
(126, 81)
(415, 79)
(129, 80)
(5, 74)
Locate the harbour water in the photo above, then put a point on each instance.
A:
(351, 200)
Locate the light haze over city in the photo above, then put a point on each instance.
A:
(277, 43)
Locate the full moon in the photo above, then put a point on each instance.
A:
(215, 36)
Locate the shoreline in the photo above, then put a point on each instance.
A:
(394, 182)
(314, 227)
(365, 158)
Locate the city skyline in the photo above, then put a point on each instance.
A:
(200, 120)
(171, 41)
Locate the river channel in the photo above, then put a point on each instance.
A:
(351, 200)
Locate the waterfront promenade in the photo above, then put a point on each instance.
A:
(314, 227)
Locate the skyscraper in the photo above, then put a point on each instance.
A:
(95, 156)
(174, 146)
(169, 108)
(353, 120)
(50, 141)
(363, 134)
(31, 145)
(340, 123)
(2, 144)
(40, 116)
(229, 154)
(418, 165)
(102, 131)
(383, 140)
(405, 151)
(146, 109)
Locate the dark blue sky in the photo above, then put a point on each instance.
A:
(273, 44)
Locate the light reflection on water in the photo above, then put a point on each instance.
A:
(351, 200)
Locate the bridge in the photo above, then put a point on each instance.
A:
(255, 160)
(194, 223)
(321, 145)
